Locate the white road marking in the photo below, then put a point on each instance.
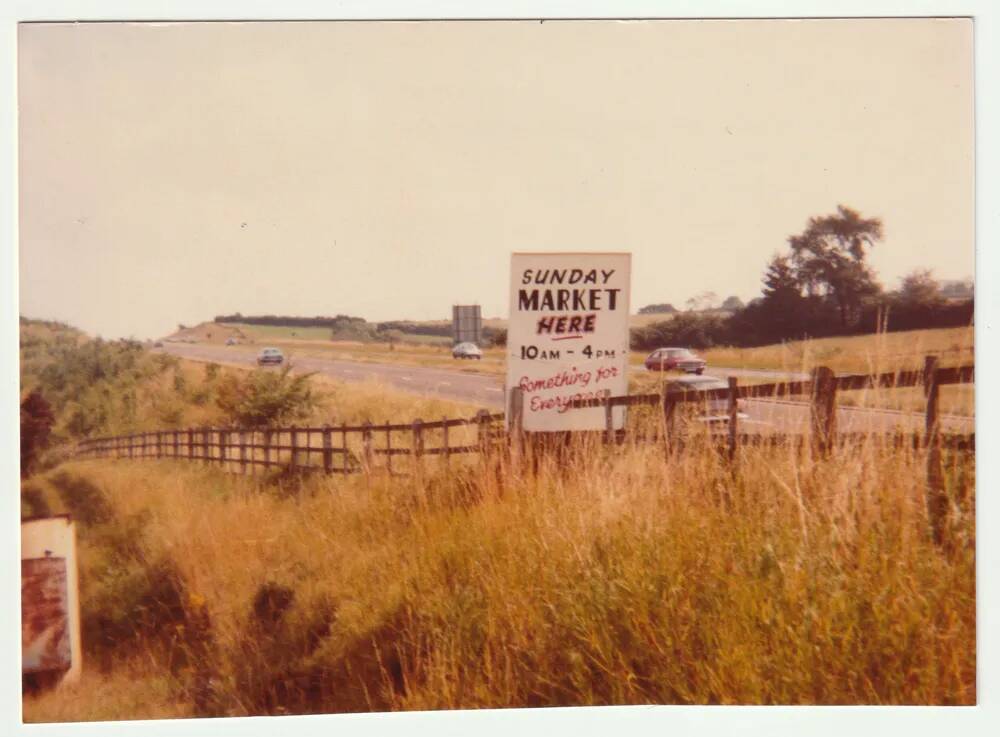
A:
(406, 378)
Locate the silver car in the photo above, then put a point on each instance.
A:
(467, 350)
(270, 355)
(706, 410)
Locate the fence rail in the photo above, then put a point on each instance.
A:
(352, 448)
(330, 448)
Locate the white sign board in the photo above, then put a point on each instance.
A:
(568, 336)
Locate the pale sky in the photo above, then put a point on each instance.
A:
(172, 172)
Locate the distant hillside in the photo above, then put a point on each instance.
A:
(340, 327)
(36, 331)
(207, 332)
(337, 328)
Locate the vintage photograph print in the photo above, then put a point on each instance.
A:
(432, 365)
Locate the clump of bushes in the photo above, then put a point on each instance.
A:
(266, 397)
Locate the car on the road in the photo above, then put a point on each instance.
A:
(467, 350)
(675, 359)
(713, 410)
(231, 341)
(158, 344)
(270, 355)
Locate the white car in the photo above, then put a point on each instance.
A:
(270, 355)
(467, 350)
(710, 411)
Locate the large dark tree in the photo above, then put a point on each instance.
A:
(36, 424)
(781, 284)
(781, 312)
(829, 259)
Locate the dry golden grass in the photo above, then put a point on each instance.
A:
(338, 401)
(134, 690)
(854, 354)
(954, 399)
(618, 576)
(607, 576)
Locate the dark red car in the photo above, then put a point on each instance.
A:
(675, 359)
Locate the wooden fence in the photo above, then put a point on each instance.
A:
(821, 389)
(331, 449)
(349, 449)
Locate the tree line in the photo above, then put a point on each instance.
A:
(821, 286)
(357, 327)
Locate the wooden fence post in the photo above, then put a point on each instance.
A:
(343, 442)
(937, 496)
(267, 447)
(204, 444)
(445, 450)
(418, 444)
(669, 405)
(823, 409)
(243, 451)
(388, 449)
(515, 426)
(482, 431)
(609, 422)
(366, 440)
(327, 449)
(293, 441)
(130, 444)
(734, 415)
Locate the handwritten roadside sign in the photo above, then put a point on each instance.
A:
(568, 336)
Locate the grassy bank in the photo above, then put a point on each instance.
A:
(620, 578)
(854, 354)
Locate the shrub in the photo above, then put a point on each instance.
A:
(266, 397)
(36, 425)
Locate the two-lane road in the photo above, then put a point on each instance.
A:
(479, 389)
(487, 391)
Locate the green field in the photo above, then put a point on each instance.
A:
(282, 332)
(277, 333)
